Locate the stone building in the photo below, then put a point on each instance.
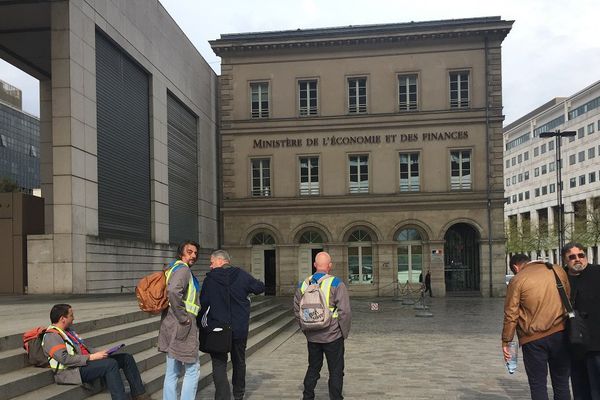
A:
(381, 144)
(127, 139)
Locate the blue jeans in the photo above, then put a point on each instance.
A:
(108, 369)
(550, 351)
(190, 379)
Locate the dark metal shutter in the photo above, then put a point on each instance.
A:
(122, 97)
(183, 172)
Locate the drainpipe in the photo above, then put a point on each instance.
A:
(488, 166)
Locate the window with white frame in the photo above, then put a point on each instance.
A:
(409, 172)
(410, 256)
(307, 97)
(259, 100)
(590, 128)
(309, 176)
(407, 92)
(459, 89)
(261, 177)
(359, 173)
(357, 95)
(591, 152)
(360, 257)
(460, 170)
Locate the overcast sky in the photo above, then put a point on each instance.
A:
(553, 49)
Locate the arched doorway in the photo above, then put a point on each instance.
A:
(311, 243)
(461, 259)
(410, 255)
(264, 265)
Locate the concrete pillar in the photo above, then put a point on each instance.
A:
(386, 268)
(159, 161)
(435, 258)
(287, 269)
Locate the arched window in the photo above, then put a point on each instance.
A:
(360, 257)
(410, 255)
(311, 237)
(262, 238)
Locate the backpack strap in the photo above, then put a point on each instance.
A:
(562, 292)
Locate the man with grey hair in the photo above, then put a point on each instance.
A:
(224, 299)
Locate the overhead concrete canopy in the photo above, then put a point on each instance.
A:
(25, 36)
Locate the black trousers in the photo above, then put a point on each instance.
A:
(108, 369)
(585, 377)
(550, 351)
(238, 380)
(334, 352)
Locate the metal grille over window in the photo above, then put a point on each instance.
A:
(259, 100)
(122, 89)
(307, 91)
(359, 174)
(183, 171)
(309, 176)
(261, 177)
(311, 237)
(407, 92)
(459, 89)
(357, 95)
(409, 172)
(460, 167)
(262, 238)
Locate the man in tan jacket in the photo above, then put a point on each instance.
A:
(534, 309)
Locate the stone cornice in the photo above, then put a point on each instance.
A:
(371, 35)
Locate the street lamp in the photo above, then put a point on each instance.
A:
(558, 135)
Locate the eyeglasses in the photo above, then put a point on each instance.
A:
(575, 256)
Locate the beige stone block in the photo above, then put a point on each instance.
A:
(60, 72)
(62, 160)
(61, 102)
(160, 152)
(39, 250)
(89, 85)
(40, 277)
(76, 48)
(77, 134)
(77, 162)
(161, 233)
(91, 139)
(76, 76)
(161, 213)
(91, 221)
(63, 251)
(76, 18)
(159, 131)
(61, 131)
(79, 223)
(91, 194)
(78, 245)
(77, 105)
(90, 112)
(160, 172)
(91, 167)
(62, 218)
(63, 278)
(78, 189)
(160, 193)
(63, 189)
(59, 44)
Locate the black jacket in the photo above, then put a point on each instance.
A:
(585, 297)
(214, 293)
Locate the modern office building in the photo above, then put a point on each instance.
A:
(381, 144)
(531, 179)
(128, 144)
(19, 141)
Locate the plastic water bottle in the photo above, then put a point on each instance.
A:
(511, 364)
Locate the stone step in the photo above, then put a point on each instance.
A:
(140, 339)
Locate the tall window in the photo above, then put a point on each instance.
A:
(357, 95)
(409, 172)
(359, 174)
(460, 170)
(410, 256)
(307, 97)
(261, 177)
(360, 257)
(459, 89)
(309, 176)
(407, 92)
(259, 93)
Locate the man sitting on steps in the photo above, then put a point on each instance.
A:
(74, 362)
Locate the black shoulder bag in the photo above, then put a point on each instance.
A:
(576, 327)
(216, 339)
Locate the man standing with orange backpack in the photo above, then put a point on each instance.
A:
(178, 335)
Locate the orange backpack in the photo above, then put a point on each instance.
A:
(151, 292)
(32, 343)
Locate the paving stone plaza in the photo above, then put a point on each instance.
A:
(391, 354)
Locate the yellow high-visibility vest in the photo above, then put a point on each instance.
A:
(68, 344)
(326, 288)
(192, 300)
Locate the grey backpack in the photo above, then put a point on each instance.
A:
(314, 313)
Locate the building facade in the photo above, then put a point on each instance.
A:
(19, 141)
(380, 144)
(128, 145)
(531, 176)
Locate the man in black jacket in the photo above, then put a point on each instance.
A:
(225, 290)
(585, 297)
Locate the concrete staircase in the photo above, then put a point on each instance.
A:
(269, 317)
